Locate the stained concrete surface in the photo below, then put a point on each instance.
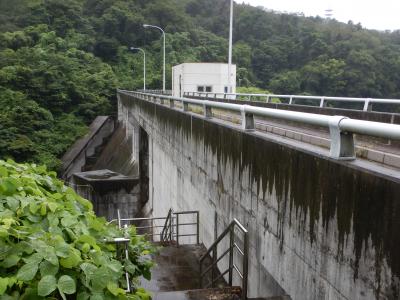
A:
(109, 192)
(177, 269)
(176, 276)
(309, 217)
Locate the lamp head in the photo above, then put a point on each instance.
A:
(146, 25)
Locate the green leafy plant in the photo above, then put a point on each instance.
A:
(52, 246)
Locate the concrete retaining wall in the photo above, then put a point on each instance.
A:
(319, 229)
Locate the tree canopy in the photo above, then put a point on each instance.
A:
(61, 61)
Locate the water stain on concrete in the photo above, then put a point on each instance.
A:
(313, 187)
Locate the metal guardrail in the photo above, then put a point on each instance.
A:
(166, 235)
(323, 100)
(342, 129)
(159, 92)
(243, 274)
(170, 229)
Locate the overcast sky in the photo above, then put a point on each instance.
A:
(373, 14)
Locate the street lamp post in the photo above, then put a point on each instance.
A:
(144, 65)
(163, 33)
(230, 49)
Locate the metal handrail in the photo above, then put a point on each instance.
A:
(170, 228)
(367, 102)
(230, 230)
(341, 128)
(161, 92)
(166, 233)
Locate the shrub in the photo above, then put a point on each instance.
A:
(52, 246)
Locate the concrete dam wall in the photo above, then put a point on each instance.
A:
(319, 228)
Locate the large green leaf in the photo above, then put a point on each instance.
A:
(11, 260)
(3, 285)
(114, 289)
(47, 285)
(97, 296)
(46, 268)
(50, 255)
(28, 271)
(34, 258)
(68, 221)
(66, 285)
(13, 203)
(62, 249)
(73, 259)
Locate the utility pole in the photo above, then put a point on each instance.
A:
(230, 49)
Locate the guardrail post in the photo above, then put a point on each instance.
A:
(268, 99)
(231, 245)
(322, 103)
(342, 143)
(177, 230)
(291, 100)
(185, 106)
(245, 266)
(171, 103)
(367, 105)
(207, 110)
(214, 265)
(198, 228)
(247, 119)
(171, 227)
(119, 219)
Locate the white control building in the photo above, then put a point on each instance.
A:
(202, 77)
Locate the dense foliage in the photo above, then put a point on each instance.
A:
(64, 58)
(52, 244)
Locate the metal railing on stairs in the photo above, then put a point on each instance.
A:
(233, 247)
(172, 229)
(167, 232)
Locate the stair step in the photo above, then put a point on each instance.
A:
(177, 269)
(226, 293)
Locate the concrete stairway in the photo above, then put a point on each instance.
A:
(92, 159)
(176, 276)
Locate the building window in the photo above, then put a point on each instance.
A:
(226, 90)
(208, 89)
(200, 88)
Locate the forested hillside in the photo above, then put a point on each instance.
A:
(61, 60)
